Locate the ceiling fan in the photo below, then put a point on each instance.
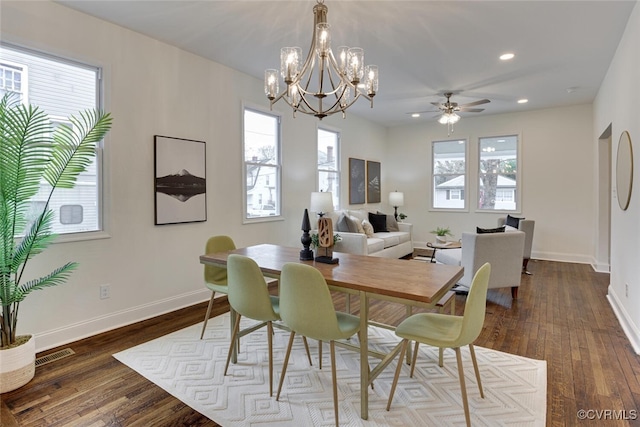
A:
(448, 110)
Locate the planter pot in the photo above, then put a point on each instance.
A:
(17, 365)
(441, 239)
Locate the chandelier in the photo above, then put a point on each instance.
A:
(324, 84)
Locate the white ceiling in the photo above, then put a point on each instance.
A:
(422, 48)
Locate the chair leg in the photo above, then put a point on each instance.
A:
(286, 362)
(232, 345)
(525, 262)
(441, 357)
(206, 316)
(320, 354)
(463, 387)
(395, 378)
(514, 292)
(270, 344)
(475, 368)
(306, 347)
(415, 357)
(334, 379)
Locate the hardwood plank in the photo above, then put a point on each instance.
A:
(561, 315)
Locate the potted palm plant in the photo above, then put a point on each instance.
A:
(442, 233)
(31, 153)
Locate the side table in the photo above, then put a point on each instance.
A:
(438, 245)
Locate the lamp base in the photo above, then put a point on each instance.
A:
(327, 260)
(306, 255)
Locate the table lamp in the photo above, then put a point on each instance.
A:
(322, 203)
(396, 199)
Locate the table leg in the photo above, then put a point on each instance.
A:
(364, 356)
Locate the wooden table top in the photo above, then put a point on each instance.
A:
(409, 280)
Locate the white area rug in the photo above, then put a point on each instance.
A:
(192, 370)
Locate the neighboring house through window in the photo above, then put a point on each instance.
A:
(498, 185)
(61, 88)
(261, 148)
(449, 174)
(329, 164)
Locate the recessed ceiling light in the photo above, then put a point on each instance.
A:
(507, 56)
(523, 101)
(415, 115)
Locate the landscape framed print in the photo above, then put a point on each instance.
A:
(180, 183)
(357, 190)
(373, 182)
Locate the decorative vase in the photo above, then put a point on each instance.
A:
(17, 365)
(441, 239)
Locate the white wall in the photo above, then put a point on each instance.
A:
(153, 88)
(618, 104)
(556, 177)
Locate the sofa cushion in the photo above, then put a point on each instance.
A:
(513, 221)
(389, 239)
(379, 222)
(392, 224)
(449, 256)
(490, 230)
(374, 245)
(361, 214)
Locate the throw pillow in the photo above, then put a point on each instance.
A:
(379, 222)
(343, 224)
(358, 224)
(513, 221)
(368, 228)
(392, 224)
(490, 230)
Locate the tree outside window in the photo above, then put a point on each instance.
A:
(498, 173)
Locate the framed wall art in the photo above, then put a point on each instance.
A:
(180, 180)
(357, 190)
(373, 182)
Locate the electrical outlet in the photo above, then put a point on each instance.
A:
(105, 291)
(626, 290)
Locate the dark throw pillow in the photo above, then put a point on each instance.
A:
(379, 222)
(513, 221)
(490, 230)
(392, 224)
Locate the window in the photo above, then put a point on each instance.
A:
(329, 164)
(498, 187)
(449, 174)
(61, 88)
(261, 147)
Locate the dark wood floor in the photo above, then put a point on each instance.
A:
(561, 316)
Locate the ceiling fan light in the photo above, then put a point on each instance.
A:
(453, 118)
(444, 119)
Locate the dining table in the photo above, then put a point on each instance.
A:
(410, 283)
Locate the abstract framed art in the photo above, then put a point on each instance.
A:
(373, 182)
(357, 189)
(180, 180)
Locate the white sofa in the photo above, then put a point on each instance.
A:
(390, 244)
(502, 250)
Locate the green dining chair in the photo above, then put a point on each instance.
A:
(249, 297)
(215, 278)
(307, 309)
(449, 331)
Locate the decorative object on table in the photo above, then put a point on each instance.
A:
(624, 170)
(306, 254)
(357, 172)
(396, 199)
(373, 182)
(402, 216)
(180, 180)
(322, 203)
(442, 233)
(32, 153)
(333, 86)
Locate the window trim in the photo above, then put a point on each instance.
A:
(245, 214)
(467, 204)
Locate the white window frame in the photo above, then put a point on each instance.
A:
(247, 219)
(337, 171)
(99, 232)
(432, 187)
(517, 198)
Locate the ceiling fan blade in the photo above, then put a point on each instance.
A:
(471, 110)
(479, 102)
(437, 104)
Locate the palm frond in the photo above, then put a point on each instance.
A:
(37, 239)
(55, 278)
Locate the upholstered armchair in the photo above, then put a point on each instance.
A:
(502, 250)
(526, 226)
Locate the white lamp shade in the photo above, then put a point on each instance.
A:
(321, 202)
(396, 198)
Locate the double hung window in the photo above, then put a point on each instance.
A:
(449, 174)
(329, 164)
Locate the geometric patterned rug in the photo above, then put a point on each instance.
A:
(192, 370)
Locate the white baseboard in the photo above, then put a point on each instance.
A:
(630, 330)
(97, 325)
